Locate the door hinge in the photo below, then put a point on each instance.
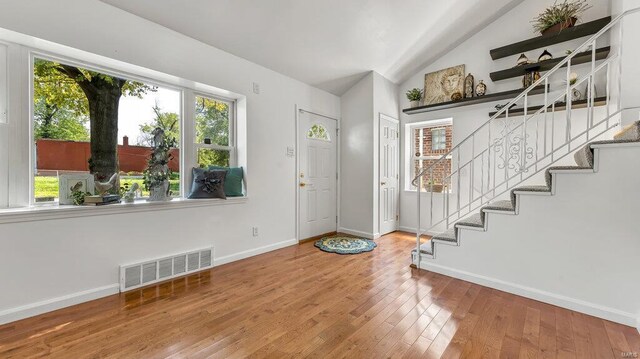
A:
(397, 217)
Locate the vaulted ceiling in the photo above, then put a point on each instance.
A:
(329, 44)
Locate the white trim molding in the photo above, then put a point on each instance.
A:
(42, 213)
(577, 305)
(218, 261)
(49, 305)
(362, 234)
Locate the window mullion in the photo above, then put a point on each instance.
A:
(189, 151)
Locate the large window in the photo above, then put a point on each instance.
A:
(430, 140)
(93, 124)
(85, 121)
(214, 139)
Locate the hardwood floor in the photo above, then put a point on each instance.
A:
(301, 302)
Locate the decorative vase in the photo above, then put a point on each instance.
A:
(576, 95)
(469, 82)
(555, 29)
(159, 193)
(414, 103)
(481, 89)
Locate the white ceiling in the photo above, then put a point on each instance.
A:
(329, 44)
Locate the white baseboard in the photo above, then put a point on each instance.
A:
(353, 232)
(253, 252)
(33, 309)
(413, 230)
(577, 305)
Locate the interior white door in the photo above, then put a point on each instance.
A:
(317, 177)
(389, 174)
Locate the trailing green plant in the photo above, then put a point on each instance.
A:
(559, 13)
(414, 94)
(78, 197)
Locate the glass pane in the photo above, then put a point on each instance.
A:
(125, 143)
(210, 157)
(212, 121)
(318, 132)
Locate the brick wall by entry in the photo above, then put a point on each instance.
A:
(442, 169)
(59, 155)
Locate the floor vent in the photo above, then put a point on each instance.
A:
(134, 276)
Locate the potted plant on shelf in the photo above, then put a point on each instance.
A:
(414, 96)
(434, 186)
(560, 16)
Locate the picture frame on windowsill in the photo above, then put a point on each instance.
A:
(67, 181)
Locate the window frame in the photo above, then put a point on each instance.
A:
(411, 151)
(34, 54)
(441, 136)
(233, 160)
(18, 202)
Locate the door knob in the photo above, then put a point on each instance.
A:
(383, 183)
(302, 184)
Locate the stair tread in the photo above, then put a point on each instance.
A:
(547, 173)
(426, 248)
(535, 188)
(447, 236)
(476, 220)
(504, 205)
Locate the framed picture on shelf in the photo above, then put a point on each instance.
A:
(69, 182)
(444, 85)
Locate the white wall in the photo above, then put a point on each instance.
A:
(577, 249)
(361, 108)
(59, 262)
(356, 158)
(474, 53)
(385, 101)
(630, 52)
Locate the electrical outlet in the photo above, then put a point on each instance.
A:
(255, 231)
(256, 88)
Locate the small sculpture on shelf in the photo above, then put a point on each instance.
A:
(522, 60)
(546, 55)
(468, 86)
(456, 96)
(530, 78)
(481, 89)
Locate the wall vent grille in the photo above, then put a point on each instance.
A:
(136, 275)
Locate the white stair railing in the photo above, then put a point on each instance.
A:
(524, 137)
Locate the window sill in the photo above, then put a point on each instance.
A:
(48, 212)
(424, 193)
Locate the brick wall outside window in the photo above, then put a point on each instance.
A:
(442, 169)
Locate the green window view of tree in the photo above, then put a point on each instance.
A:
(77, 104)
(213, 135)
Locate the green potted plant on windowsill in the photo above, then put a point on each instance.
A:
(414, 96)
(559, 16)
(434, 186)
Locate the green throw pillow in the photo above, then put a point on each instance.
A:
(233, 180)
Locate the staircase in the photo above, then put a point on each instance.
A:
(550, 252)
(584, 163)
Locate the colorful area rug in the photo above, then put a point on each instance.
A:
(345, 245)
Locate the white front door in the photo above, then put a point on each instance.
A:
(317, 177)
(389, 177)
